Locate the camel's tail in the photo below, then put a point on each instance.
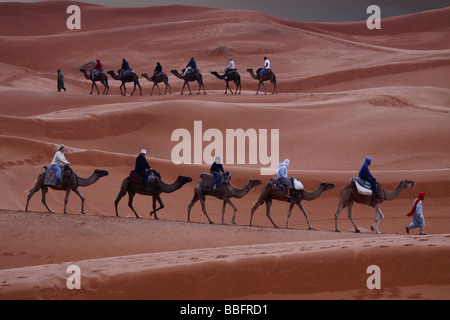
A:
(36, 184)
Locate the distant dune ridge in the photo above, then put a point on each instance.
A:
(345, 93)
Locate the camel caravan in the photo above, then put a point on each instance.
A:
(189, 74)
(145, 180)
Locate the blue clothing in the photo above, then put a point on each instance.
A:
(125, 65)
(57, 171)
(192, 64)
(364, 173)
(282, 171)
(216, 168)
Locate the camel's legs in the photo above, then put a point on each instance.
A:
(200, 85)
(379, 214)
(197, 197)
(170, 89)
(336, 216)
(259, 85)
(122, 193)
(44, 192)
(238, 87)
(161, 205)
(225, 202)
(202, 202)
(66, 199)
(105, 91)
(32, 192)
(189, 87)
(257, 204)
(155, 85)
(289, 214)
(350, 216)
(77, 191)
(94, 85)
(299, 204)
(193, 201)
(268, 204)
(130, 203)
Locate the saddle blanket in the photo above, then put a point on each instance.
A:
(364, 187)
(279, 186)
(207, 181)
(50, 177)
(137, 178)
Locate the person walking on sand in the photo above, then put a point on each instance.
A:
(418, 221)
(60, 81)
(58, 162)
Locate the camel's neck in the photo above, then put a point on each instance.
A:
(392, 195)
(176, 74)
(85, 182)
(85, 74)
(252, 74)
(169, 188)
(113, 75)
(240, 193)
(308, 196)
(218, 75)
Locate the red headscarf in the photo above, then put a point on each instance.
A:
(420, 197)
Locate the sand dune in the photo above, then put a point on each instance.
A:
(344, 93)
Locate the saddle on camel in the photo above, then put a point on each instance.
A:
(209, 181)
(152, 177)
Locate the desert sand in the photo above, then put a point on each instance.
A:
(345, 92)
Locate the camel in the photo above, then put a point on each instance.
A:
(103, 78)
(350, 194)
(154, 189)
(268, 76)
(70, 182)
(225, 192)
(131, 77)
(267, 195)
(232, 76)
(189, 77)
(160, 77)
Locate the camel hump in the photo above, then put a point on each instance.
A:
(206, 176)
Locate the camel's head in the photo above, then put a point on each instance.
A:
(184, 179)
(254, 182)
(327, 186)
(101, 173)
(407, 183)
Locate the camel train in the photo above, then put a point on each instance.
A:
(262, 75)
(224, 191)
